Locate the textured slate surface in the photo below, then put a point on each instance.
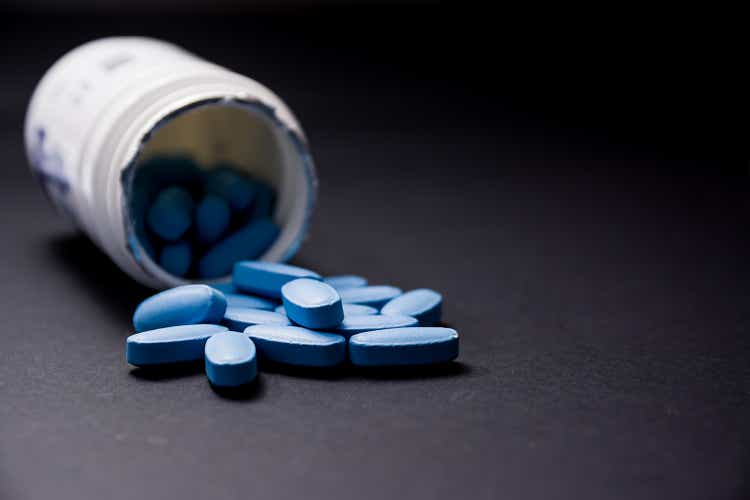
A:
(601, 293)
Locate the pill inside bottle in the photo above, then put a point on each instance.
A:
(234, 188)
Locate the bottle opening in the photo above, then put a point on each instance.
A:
(215, 182)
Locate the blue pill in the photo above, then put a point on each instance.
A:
(239, 318)
(182, 305)
(264, 201)
(346, 281)
(234, 187)
(267, 278)
(173, 344)
(349, 310)
(212, 216)
(224, 287)
(312, 303)
(424, 304)
(230, 359)
(404, 346)
(249, 301)
(373, 296)
(358, 324)
(175, 258)
(171, 213)
(295, 345)
(249, 242)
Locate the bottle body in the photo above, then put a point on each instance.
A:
(110, 103)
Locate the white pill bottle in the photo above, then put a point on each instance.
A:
(111, 103)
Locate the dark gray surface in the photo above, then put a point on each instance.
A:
(601, 294)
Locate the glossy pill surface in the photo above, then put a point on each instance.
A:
(249, 301)
(373, 296)
(357, 324)
(295, 345)
(239, 318)
(312, 303)
(173, 344)
(267, 278)
(171, 213)
(182, 305)
(349, 310)
(346, 281)
(404, 346)
(230, 359)
(247, 243)
(423, 303)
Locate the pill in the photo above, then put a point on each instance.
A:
(423, 303)
(182, 305)
(346, 281)
(249, 301)
(373, 296)
(230, 359)
(175, 258)
(171, 213)
(234, 187)
(247, 243)
(239, 318)
(212, 217)
(296, 345)
(312, 303)
(267, 278)
(172, 344)
(264, 200)
(224, 287)
(349, 310)
(358, 324)
(404, 346)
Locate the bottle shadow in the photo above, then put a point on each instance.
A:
(98, 275)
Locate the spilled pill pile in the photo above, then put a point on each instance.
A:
(320, 322)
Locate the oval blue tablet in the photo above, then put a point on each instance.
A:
(249, 302)
(182, 305)
(239, 318)
(373, 296)
(247, 243)
(171, 213)
(212, 217)
(424, 304)
(230, 359)
(295, 345)
(175, 258)
(312, 303)
(420, 345)
(358, 324)
(267, 278)
(345, 281)
(232, 185)
(173, 344)
(349, 310)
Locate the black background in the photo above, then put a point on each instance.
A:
(577, 190)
